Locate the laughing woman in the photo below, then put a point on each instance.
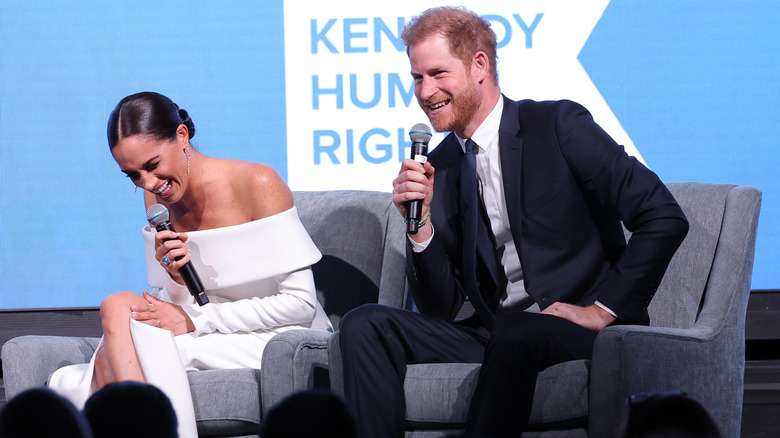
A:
(238, 228)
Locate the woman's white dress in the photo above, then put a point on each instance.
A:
(259, 283)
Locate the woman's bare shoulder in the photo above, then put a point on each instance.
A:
(261, 187)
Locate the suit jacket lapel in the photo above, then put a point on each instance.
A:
(510, 151)
(486, 252)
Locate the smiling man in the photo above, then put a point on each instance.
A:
(524, 221)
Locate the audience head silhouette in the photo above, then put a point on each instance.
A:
(314, 413)
(131, 410)
(40, 412)
(667, 415)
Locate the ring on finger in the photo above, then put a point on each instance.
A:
(159, 324)
(166, 261)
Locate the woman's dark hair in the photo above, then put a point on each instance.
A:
(149, 114)
(325, 412)
(109, 412)
(42, 412)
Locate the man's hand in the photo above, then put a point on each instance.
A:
(592, 317)
(415, 182)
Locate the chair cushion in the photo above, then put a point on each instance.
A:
(227, 402)
(561, 396)
(437, 395)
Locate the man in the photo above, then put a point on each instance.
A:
(543, 259)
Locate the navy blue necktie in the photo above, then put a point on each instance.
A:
(470, 212)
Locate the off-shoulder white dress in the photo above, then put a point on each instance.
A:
(259, 283)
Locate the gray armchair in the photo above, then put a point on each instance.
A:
(371, 249)
(360, 235)
(695, 343)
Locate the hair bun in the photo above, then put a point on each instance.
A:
(187, 121)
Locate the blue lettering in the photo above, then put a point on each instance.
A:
(528, 30)
(381, 28)
(320, 36)
(316, 91)
(507, 29)
(400, 91)
(385, 147)
(330, 149)
(356, 34)
(349, 35)
(403, 145)
(395, 83)
(327, 146)
(353, 92)
(350, 147)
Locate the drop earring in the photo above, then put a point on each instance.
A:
(188, 161)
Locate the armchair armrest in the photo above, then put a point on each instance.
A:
(630, 359)
(28, 361)
(293, 361)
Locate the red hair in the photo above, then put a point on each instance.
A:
(466, 32)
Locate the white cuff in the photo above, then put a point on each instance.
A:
(420, 246)
(606, 309)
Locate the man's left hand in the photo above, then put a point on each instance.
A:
(591, 317)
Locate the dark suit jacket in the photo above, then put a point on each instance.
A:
(568, 187)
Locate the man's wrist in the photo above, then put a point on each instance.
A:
(421, 223)
(423, 237)
(605, 316)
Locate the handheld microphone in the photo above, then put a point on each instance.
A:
(420, 134)
(159, 217)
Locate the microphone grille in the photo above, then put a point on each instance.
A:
(157, 214)
(420, 133)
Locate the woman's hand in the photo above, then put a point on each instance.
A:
(162, 314)
(171, 252)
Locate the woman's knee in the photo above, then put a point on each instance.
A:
(118, 306)
(119, 300)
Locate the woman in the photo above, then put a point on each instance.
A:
(237, 226)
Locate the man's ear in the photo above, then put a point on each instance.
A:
(480, 66)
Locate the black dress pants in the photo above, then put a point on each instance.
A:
(377, 342)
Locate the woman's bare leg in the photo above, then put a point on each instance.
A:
(103, 373)
(119, 361)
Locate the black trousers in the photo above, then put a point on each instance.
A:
(377, 342)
